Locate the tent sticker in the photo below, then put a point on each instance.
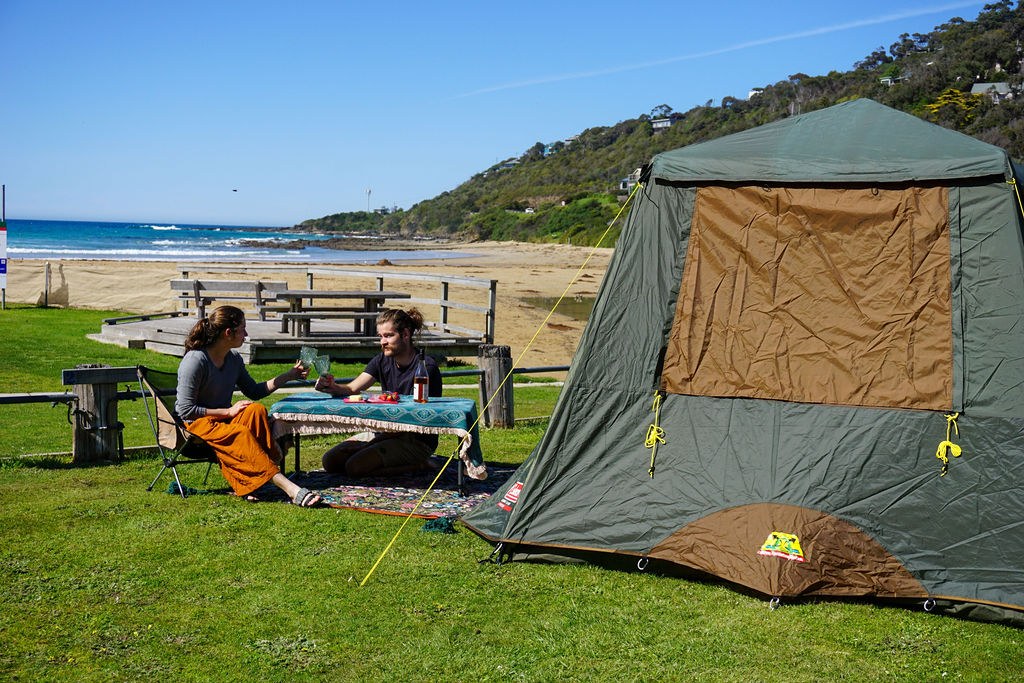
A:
(511, 496)
(786, 546)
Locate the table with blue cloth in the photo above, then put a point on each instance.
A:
(316, 413)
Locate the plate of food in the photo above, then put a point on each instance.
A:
(384, 397)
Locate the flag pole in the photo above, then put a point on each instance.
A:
(3, 247)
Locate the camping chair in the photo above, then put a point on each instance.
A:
(177, 445)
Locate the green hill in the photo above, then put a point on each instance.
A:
(568, 191)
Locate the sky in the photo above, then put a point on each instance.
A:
(270, 113)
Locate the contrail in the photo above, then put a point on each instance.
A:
(731, 48)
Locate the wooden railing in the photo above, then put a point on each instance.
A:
(438, 311)
(97, 430)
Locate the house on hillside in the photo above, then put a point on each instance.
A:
(627, 183)
(997, 92)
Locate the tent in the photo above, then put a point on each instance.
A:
(803, 374)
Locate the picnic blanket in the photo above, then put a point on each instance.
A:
(398, 495)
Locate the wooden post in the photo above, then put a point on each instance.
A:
(444, 306)
(496, 362)
(492, 306)
(97, 434)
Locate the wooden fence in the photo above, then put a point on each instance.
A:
(97, 432)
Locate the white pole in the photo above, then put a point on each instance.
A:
(3, 247)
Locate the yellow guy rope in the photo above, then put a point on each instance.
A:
(655, 432)
(1016, 191)
(515, 365)
(948, 445)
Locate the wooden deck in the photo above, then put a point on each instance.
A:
(268, 344)
(341, 333)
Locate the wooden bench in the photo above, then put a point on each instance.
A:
(301, 319)
(142, 317)
(196, 294)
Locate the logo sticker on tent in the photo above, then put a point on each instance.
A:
(511, 496)
(786, 546)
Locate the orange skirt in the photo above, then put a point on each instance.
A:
(243, 446)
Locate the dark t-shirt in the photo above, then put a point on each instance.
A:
(393, 377)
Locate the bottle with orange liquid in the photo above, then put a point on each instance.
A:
(420, 382)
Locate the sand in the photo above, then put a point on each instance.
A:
(521, 270)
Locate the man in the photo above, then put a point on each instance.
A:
(386, 453)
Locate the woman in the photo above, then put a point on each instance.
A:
(239, 434)
(386, 453)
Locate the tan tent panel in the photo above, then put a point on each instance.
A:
(816, 295)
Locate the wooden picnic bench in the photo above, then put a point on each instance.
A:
(301, 311)
(196, 294)
(301, 319)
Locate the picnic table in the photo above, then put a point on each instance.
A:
(363, 313)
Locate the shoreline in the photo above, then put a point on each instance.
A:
(522, 270)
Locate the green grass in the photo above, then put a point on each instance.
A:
(104, 581)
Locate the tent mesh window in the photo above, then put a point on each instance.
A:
(817, 295)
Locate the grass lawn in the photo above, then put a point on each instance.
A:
(105, 581)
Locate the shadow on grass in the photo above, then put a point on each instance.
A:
(62, 461)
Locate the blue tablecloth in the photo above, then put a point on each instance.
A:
(317, 413)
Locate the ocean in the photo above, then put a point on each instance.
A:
(158, 241)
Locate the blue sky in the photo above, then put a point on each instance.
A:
(266, 114)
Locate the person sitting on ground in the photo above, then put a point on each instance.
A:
(240, 433)
(386, 453)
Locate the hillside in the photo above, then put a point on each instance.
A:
(569, 191)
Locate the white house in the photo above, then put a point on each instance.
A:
(997, 92)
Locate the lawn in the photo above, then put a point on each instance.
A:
(105, 581)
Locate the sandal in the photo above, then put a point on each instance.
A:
(305, 498)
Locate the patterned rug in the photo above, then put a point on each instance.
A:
(399, 495)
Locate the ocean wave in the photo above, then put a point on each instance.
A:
(118, 254)
(308, 255)
(162, 227)
(274, 242)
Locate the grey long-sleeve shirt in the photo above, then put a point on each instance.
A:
(202, 385)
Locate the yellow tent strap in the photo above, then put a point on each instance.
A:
(497, 390)
(1016, 191)
(655, 433)
(948, 446)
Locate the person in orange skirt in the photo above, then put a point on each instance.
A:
(239, 433)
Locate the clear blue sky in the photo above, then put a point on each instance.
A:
(159, 111)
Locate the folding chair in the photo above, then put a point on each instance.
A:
(177, 445)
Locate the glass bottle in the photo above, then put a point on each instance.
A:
(420, 382)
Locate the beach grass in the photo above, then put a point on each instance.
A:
(105, 581)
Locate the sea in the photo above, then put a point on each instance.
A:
(163, 241)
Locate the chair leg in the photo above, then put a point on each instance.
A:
(157, 478)
(181, 489)
(208, 468)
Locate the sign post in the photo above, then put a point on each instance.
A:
(3, 247)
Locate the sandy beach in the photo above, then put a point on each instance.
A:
(522, 270)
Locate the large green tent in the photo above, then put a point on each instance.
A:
(823, 320)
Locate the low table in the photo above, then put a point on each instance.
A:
(316, 413)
